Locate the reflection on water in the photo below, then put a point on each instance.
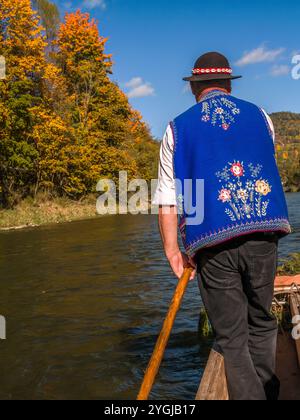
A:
(84, 303)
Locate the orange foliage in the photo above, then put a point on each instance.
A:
(64, 125)
(22, 40)
(79, 39)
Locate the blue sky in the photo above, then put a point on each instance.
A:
(155, 43)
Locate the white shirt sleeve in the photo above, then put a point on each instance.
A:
(271, 125)
(165, 194)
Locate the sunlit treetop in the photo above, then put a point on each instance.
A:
(79, 39)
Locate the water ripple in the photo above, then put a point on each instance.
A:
(85, 302)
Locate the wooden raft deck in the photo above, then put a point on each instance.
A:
(213, 386)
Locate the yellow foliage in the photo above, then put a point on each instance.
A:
(62, 120)
(285, 155)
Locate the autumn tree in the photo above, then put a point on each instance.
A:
(63, 123)
(22, 44)
(100, 111)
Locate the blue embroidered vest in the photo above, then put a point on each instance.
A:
(227, 143)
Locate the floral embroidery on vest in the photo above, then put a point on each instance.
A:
(244, 191)
(219, 111)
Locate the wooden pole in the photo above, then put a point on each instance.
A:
(163, 339)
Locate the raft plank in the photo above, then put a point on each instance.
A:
(295, 311)
(288, 371)
(213, 386)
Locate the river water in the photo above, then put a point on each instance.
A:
(84, 302)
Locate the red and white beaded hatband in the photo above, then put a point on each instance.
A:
(213, 71)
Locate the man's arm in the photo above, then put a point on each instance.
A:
(165, 197)
(168, 224)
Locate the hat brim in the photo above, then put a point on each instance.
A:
(206, 77)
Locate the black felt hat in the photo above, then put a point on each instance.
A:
(211, 66)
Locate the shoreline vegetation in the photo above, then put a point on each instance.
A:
(46, 211)
(290, 266)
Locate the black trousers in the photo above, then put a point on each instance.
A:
(237, 285)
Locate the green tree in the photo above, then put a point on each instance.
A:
(22, 44)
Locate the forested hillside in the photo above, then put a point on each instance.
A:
(63, 123)
(287, 126)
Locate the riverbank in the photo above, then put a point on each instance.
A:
(291, 266)
(32, 213)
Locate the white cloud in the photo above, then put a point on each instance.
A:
(135, 82)
(259, 55)
(93, 4)
(295, 52)
(139, 89)
(278, 70)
